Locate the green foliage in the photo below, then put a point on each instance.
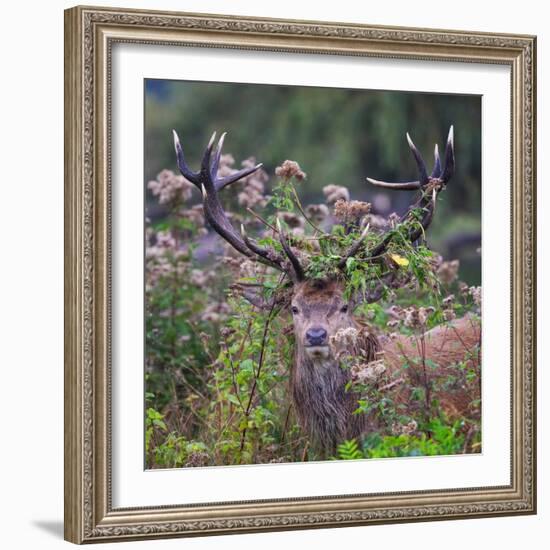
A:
(171, 450)
(153, 421)
(440, 438)
(349, 450)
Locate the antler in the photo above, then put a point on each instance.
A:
(209, 184)
(429, 186)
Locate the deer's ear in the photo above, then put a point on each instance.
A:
(251, 293)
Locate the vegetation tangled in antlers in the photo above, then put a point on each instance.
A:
(347, 243)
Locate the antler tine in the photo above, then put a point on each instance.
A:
(227, 180)
(298, 270)
(187, 173)
(449, 168)
(209, 186)
(406, 185)
(206, 175)
(217, 155)
(436, 172)
(419, 161)
(429, 187)
(214, 166)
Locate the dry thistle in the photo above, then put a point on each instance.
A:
(169, 187)
(291, 219)
(475, 293)
(334, 193)
(346, 211)
(368, 372)
(317, 212)
(290, 169)
(448, 271)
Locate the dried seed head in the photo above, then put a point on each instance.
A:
(170, 188)
(368, 372)
(197, 459)
(290, 169)
(448, 271)
(449, 300)
(291, 219)
(346, 211)
(317, 212)
(345, 337)
(475, 293)
(334, 193)
(393, 219)
(449, 314)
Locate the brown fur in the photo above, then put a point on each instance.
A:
(445, 345)
(323, 407)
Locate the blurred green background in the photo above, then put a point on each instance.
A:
(337, 136)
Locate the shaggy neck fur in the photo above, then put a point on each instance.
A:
(323, 406)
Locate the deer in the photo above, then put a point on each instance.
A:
(320, 309)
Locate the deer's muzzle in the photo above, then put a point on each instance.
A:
(316, 336)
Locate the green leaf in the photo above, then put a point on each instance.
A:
(349, 450)
(233, 399)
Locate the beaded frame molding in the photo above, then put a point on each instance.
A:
(89, 36)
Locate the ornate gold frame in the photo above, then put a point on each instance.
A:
(89, 35)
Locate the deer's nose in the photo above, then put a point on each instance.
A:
(316, 336)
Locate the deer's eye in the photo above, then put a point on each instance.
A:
(294, 310)
(344, 308)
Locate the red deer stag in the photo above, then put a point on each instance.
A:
(319, 310)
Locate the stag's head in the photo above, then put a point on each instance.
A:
(319, 307)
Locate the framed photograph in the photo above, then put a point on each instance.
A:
(300, 274)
